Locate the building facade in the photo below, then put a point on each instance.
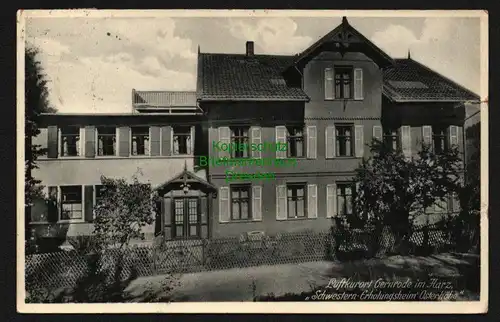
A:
(325, 104)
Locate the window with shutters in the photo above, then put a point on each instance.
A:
(295, 140)
(106, 141)
(344, 140)
(343, 82)
(71, 203)
(139, 140)
(240, 142)
(70, 141)
(296, 200)
(345, 199)
(240, 202)
(391, 139)
(181, 139)
(439, 139)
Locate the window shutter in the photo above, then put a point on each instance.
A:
(312, 201)
(52, 141)
(257, 203)
(453, 135)
(90, 141)
(155, 141)
(81, 144)
(331, 200)
(358, 84)
(52, 204)
(330, 142)
(359, 140)
(329, 84)
(224, 137)
(88, 199)
(377, 133)
(281, 202)
(427, 135)
(406, 140)
(191, 142)
(311, 142)
(281, 138)
(224, 204)
(124, 143)
(166, 140)
(167, 212)
(256, 139)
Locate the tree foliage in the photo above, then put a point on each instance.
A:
(393, 189)
(36, 102)
(123, 210)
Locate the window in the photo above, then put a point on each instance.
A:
(344, 138)
(343, 82)
(100, 191)
(71, 203)
(70, 141)
(106, 141)
(240, 202)
(239, 142)
(391, 139)
(182, 139)
(295, 140)
(344, 198)
(439, 139)
(296, 200)
(140, 140)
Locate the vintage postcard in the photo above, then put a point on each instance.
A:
(228, 161)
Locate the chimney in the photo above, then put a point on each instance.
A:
(249, 48)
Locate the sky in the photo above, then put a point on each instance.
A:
(93, 64)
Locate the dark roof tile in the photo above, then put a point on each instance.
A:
(238, 77)
(408, 81)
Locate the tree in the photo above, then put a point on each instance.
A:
(36, 102)
(393, 189)
(123, 210)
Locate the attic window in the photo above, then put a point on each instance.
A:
(407, 84)
(278, 81)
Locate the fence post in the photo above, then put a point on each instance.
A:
(203, 245)
(153, 262)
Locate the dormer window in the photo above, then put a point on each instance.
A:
(343, 82)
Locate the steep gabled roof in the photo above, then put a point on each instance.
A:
(186, 178)
(411, 81)
(345, 38)
(227, 77)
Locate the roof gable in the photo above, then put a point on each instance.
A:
(344, 38)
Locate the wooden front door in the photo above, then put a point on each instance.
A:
(186, 217)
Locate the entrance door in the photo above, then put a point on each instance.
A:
(186, 218)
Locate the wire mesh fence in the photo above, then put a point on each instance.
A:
(63, 269)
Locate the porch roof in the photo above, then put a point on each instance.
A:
(186, 179)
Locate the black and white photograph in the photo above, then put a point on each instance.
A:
(252, 161)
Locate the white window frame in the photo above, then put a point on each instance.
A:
(149, 142)
(81, 144)
(96, 136)
(191, 144)
(59, 203)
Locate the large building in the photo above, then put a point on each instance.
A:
(326, 103)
